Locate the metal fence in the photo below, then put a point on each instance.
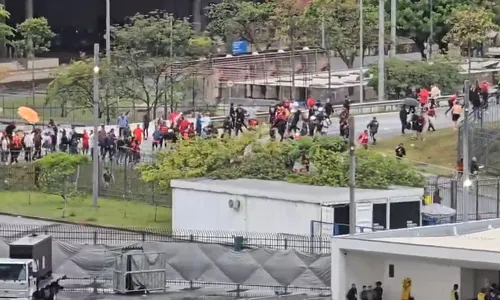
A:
(93, 235)
(484, 141)
(127, 183)
(478, 202)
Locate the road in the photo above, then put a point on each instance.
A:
(390, 125)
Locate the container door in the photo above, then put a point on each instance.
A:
(405, 214)
(341, 218)
(379, 215)
(364, 215)
(326, 224)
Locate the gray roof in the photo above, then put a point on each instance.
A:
(285, 191)
(445, 230)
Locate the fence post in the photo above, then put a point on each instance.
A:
(286, 243)
(143, 234)
(498, 197)
(95, 237)
(477, 201)
(453, 198)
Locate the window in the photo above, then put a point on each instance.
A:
(13, 272)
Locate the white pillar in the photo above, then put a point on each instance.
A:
(197, 15)
(339, 285)
(29, 9)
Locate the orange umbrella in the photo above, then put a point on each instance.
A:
(28, 114)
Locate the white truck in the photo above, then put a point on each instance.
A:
(27, 274)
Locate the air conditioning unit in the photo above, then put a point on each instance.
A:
(234, 204)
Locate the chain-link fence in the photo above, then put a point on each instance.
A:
(126, 182)
(484, 140)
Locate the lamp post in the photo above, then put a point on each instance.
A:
(381, 51)
(95, 148)
(108, 31)
(392, 53)
(361, 52)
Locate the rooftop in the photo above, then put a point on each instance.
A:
(468, 244)
(286, 191)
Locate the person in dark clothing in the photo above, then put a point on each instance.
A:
(227, 126)
(295, 120)
(474, 166)
(403, 117)
(145, 125)
(400, 151)
(232, 113)
(373, 129)
(240, 120)
(9, 130)
(328, 108)
(379, 291)
(347, 103)
(352, 294)
(363, 294)
(454, 292)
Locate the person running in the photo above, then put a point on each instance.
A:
(373, 129)
(456, 112)
(431, 117)
(363, 139)
(451, 102)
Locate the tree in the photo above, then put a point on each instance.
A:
(35, 36)
(470, 26)
(341, 21)
(58, 174)
(242, 19)
(402, 77)
(152, 53)
(73, 87)
(249, 157)
(6, 31)
(413, 19)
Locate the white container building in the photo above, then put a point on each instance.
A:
(249, 205)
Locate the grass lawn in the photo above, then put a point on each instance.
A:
(436, 154)
(117, 213)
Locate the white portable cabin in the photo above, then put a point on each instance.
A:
(250, 205)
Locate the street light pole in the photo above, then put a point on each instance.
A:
(361, 52)
(95, 149)
(392, 53)
(352, 177)
(381, 51)
(431, 33)
(108, 31)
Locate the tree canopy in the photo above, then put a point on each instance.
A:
(249, 157)
(402, 77)
(341, 20)
(470, 25)
(73, 88)
(34, 36)
(149, 52)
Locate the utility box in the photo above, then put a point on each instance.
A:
(36, 247)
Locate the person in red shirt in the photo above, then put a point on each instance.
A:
(85, 142)
(138, 134)
(484, 92)
(363, 139)
(183, 125)
(310, 102)
(423, 96)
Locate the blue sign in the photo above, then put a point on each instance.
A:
(240, 47)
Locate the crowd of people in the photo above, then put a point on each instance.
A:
(288, 120)
(367, 292)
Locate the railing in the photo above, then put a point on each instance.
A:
(93, 235)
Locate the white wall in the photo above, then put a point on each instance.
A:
(467, 284)
(210, 211)
(430, 280)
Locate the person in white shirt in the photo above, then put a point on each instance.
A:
(435, 94)
(4, 148)
(28, 146)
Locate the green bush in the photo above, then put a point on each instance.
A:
(249, 157)
(402, 77)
